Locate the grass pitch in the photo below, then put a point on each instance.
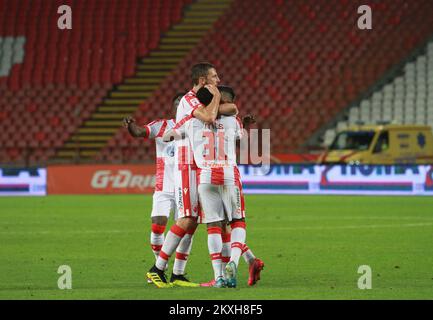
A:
(312, 247)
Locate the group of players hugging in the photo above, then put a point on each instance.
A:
(197, 179)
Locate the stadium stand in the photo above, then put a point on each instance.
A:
(295, 64)
(408, 99)
(149, 72)
(52, 81)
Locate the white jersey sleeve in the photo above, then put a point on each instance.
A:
(187, 105)
(164, 177)
(239, 128)
(155, 128)
(180, 128)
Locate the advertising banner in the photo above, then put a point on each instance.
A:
(338, 179)
(273, 179)
(101, 179)
(23, 182)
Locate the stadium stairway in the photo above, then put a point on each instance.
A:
(126, 97)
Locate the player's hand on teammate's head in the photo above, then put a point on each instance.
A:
(127, 121)
(213, 89)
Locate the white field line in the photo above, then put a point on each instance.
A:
(366, 218)
(367, 226)
(292, 218)
(71, 232)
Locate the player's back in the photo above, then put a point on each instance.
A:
(164, 154)
(184, 168)
(214, 148)
(185, 109)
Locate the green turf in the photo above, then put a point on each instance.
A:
(312, 247)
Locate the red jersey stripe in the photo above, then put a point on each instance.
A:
(181, 122)
(237, 176)
(160, 167)
(198, 176)
(189, 97)
(217, 176)
(161, 131)
(154, 121)
(186, 192)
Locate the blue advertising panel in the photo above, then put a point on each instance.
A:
(17, 182)
(338, 179)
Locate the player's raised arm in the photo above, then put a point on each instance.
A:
(172, 134)
(248, 120)
(209, 114)
(133, 129)
(178, 131)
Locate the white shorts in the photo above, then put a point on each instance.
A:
(234, 201)
(164, 204)
(185, 187)
(219, 202)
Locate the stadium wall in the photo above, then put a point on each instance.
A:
(101, 179)
(273, 179)
(339, 179)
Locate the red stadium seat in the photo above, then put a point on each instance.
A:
(286, 62)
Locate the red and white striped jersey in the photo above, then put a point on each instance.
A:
(214, 148)
(187, 105)
(185, 109)
(164, 154)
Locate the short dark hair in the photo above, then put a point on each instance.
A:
(227, 89)
(200, 70)
(204, 96)
(177, 95)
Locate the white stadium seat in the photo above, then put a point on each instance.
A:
(408, 99)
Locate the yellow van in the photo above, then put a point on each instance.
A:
(381, 144)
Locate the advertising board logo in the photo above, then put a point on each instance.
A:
(18, 181)
(14, 172)
(368, 177)
(169, 150)
(103, 179)
(429, 179)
